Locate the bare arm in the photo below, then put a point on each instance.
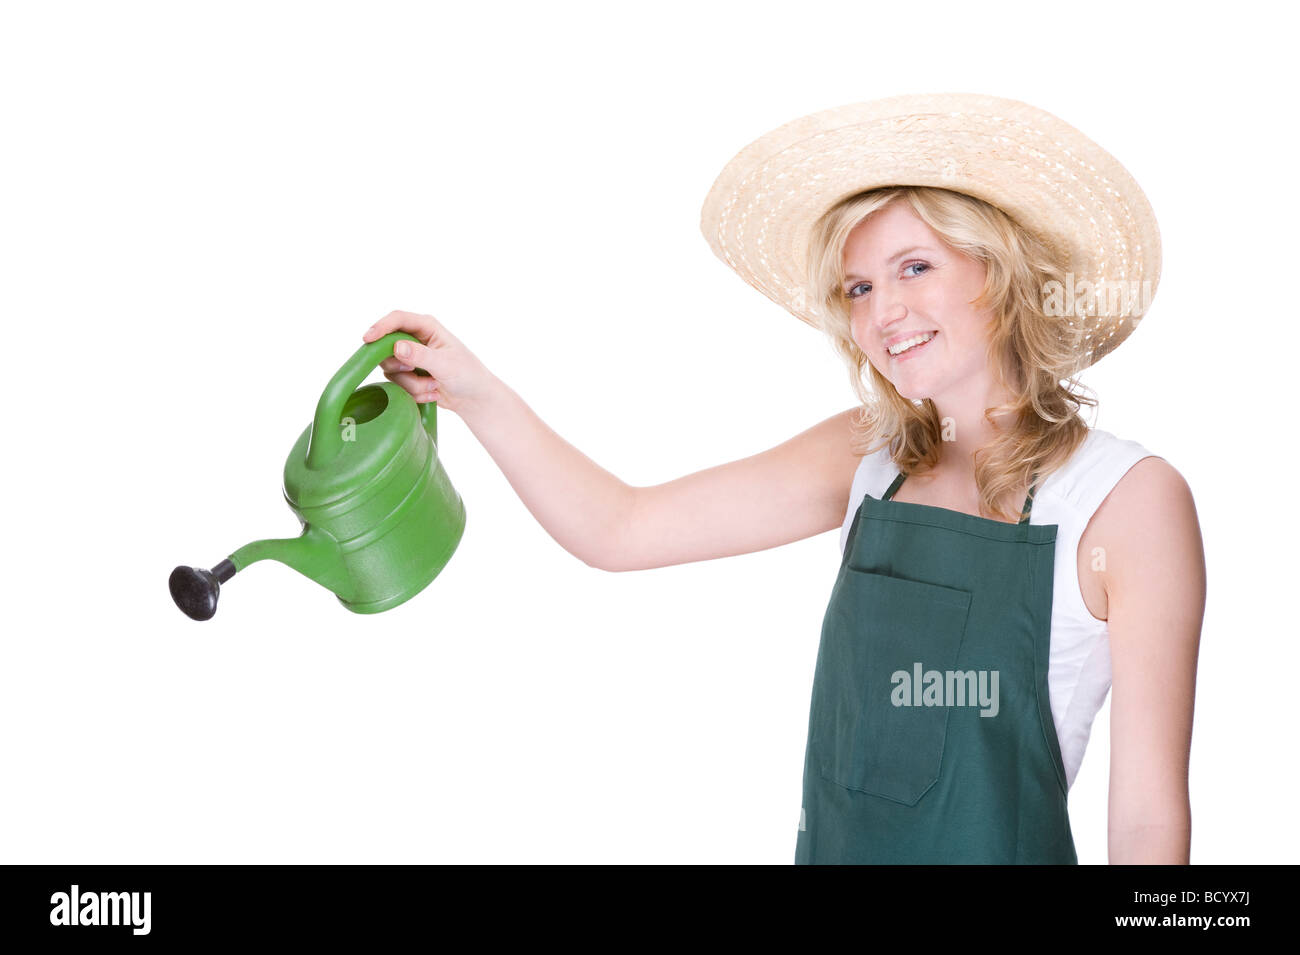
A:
(1155, 592)
(795, 490)
(790, 492)
(787, 493)
(578, 502)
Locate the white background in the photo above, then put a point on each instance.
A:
(205, 205)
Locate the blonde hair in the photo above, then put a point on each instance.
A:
(1030, 351)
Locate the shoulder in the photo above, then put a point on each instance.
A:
(834, 441)
(1136, 519)
(821, 459)
(1151, 492)
(1147, 524)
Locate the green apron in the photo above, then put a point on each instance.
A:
(950, 614)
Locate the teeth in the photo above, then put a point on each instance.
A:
(905, 345)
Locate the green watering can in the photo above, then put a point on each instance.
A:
(380, 518)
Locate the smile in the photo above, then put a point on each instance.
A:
(912, 345)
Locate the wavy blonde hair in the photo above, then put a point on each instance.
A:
(1032, 353)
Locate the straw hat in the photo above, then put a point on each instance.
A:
(1045, 174)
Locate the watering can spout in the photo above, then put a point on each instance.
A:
(313, 554)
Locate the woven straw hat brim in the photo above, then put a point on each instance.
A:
(1044, 173)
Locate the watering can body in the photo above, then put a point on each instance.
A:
(380, 518)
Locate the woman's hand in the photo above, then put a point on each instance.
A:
(457, 378)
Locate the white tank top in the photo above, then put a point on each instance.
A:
(1078, 672)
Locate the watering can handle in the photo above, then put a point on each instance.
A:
(326, 441)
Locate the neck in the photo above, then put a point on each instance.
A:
(967, 430)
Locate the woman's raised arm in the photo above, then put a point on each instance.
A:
(795, 490)
(789, 492)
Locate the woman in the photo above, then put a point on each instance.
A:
(941, 241)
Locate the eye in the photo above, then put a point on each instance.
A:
(852, 293)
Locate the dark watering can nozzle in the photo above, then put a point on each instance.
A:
(195, 590)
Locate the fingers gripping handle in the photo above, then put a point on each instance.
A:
(429, 413)
(326, 439)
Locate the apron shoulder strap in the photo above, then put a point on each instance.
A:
(857, 516)
(853, 532)
(1029, 500)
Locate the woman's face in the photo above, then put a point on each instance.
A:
(902, 282)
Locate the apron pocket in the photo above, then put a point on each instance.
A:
(876, 631)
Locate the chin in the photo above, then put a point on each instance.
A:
(912, 394)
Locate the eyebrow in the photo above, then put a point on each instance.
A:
(894, 258)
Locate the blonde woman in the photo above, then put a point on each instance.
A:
(1004, 566)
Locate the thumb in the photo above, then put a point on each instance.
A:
(415, 354)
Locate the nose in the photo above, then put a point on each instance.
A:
(892, 313)
(883, 311)
(871, 328)
(888, 314)
(885, 304)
